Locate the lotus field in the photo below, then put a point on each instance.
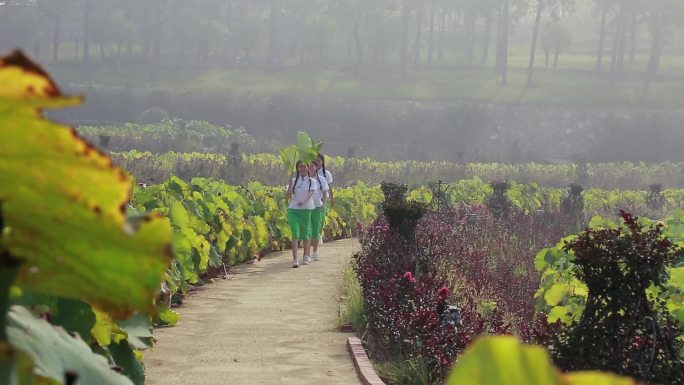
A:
(583, 261)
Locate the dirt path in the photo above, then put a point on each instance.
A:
(270, 324)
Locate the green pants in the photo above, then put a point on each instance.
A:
(317, 217)
(300, 223)
(322, 213)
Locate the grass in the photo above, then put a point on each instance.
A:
(405, 372)
(350, 299)
(573, 84)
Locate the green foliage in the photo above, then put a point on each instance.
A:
(412, 371)
(351, 299)
(165, 135)
(499, 203)
(55, 353)
(78, 259)
(77, 216)
(558, 271)
(623, 329)
(307, 147)
(216, 224)
(153, 115)
(305, 150)
(506, 361)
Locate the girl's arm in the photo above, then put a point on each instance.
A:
(309, 196)
(289, 189)
(306, 200)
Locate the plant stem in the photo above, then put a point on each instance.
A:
(9, 267)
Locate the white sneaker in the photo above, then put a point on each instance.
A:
(316, 257)
(295, 263)
(307, 260)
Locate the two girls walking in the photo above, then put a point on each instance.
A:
(309, 193)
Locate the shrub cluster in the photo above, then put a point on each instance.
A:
(466, 273)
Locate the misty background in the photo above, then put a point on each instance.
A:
(459, 80)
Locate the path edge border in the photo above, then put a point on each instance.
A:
(362, 363)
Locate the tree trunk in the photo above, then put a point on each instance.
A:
(229, 14)
(469, 29)
(404, 37)
(555, 59)
(485, 44)
(303, 49)
(145, 35)
(533, 48)
(456, 43)
(622, 43)
(357, 43)
(502, 45)
(419, 35)
(602, 40)
(156, 40)
(56, 34)
(442, 30)
(632, 39)
(654, 59)
(547, 53)
(616, 47)
(349, 44)
(272, 24)
(431, 37)
(86, 34)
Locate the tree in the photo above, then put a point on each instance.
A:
(55, 10)
(555, 38)
(556, 9)
(419, 33)
(661, 15)
(502, 41)
(530, 68)
(405, 15)
(431, 36)
(604, 7)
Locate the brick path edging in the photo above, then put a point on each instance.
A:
(363, 365)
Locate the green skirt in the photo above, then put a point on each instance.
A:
(300, 223)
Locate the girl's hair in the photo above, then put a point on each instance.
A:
(299, 163)
(318, 177)
(322, 158)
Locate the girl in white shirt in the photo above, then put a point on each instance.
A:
(318, 215)
(329, 200)
(300, 191)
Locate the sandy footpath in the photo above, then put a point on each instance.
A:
(269, 324)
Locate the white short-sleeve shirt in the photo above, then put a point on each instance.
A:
(300, 190)
(328, 179)
(322, 189)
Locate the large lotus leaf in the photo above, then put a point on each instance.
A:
(66, 354)
(506, 361)
(289, 156)
(138, 328)
(168, 316)
(63, 201)
(307, 148)
(126, 359)
(74, 316)
(183, 249)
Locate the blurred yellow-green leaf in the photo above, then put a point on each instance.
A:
(507, 361)
(63, 202)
